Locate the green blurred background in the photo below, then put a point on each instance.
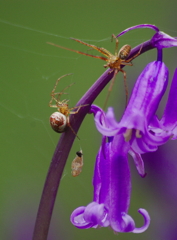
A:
(29, 69)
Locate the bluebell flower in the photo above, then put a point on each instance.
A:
(106, 123)
(112, 183)
(134, 125)
(112, 189)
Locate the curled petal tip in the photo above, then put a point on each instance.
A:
(129, 223)
(93, 215)
(146, 221)
(78, 220)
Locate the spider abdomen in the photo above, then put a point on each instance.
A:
(58, 122)
(124, 52)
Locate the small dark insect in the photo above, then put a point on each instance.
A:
(77, 164)
(114, 61)
(59, 120)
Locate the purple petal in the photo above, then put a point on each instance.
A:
(96, 213)
(128, 224)
(138, 162)
(105, 124)
(142, 147)
(146, 95)
(155, 124)
(146, 221)
(152, 139)
(77, 218)
(139, 26)
(111, 121)
(93, 215)
(142, 106)
(163, 40)
(97, 176)
(169, 119)
(119, 187)
(159, 130)
(95, 109)
(149, 141)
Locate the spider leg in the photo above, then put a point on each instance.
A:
(53, 94)
(59, 104)
(58, 82)
(117, 43)
(69, 125)
(62, 92)
(127, 64)
(56, 99)
(125, 85)
(110, 87)
(53, 99)
(64, 101)
(136, 55)
(53, 106)
(101, 50)
(103, 58)
(78, 108)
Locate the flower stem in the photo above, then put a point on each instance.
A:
(159, 54)
(63, 148)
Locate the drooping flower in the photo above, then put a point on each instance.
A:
(112, 189)
(142, 107)
(106, 123)
(147, 93)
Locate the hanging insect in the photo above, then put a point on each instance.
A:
(60, 120)
(77, 164)
(114, 61)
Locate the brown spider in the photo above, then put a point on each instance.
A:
(114, 62)
(59, 120)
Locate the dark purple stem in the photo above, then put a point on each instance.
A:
(159, 54)
(63, 148)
